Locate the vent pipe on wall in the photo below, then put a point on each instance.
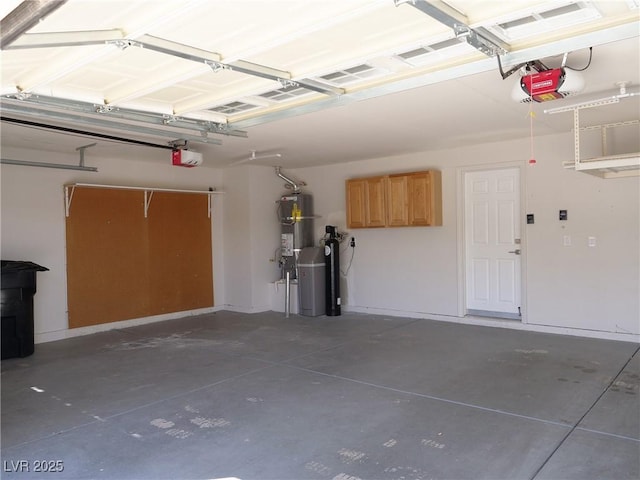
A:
(292, 184)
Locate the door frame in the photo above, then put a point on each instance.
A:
(461, 227)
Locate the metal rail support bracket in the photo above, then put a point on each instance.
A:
(81, 150)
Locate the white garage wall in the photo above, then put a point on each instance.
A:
(415, 270)
(592, 288)
(33, 225)
(237, 239)
(404, 271)
(252, 234)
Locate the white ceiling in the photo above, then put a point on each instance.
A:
(457, 97)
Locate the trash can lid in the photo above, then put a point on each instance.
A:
(12, 266)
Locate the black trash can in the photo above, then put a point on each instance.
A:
(16, 307)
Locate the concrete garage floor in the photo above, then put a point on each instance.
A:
(336, 398)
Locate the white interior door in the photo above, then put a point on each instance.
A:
(492, 242)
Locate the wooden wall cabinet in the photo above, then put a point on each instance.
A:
(425, 198)
(366, 202)
(397, 200)
(375, 211)
(356, 194)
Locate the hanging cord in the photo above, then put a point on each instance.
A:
(584, 68)
(346, 272)
(532, 158)
(341, 237)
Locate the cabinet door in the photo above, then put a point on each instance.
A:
(397, 201)
(356, 203)
(375, 207)
(425, 202)
(419, 199)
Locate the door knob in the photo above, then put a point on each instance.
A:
(516, 251)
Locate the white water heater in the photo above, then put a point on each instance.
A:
(295, 213)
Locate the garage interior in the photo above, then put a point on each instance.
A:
(321, 240)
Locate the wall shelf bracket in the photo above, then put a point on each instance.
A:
(68, 197)
(148, 194)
